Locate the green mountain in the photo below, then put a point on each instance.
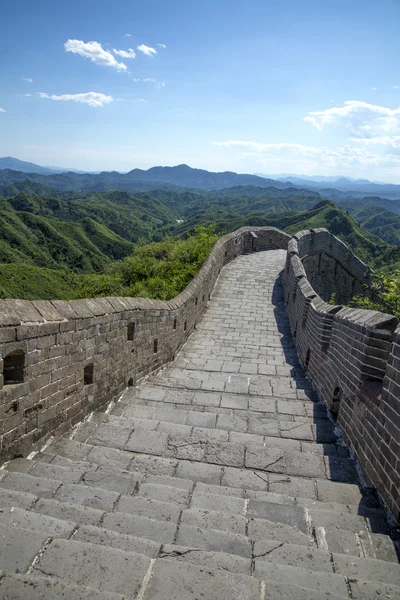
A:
(49, 235)
(383, 223)
(76, 233)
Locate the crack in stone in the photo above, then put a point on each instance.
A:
(164, 554)
(274, 462)
(269, 551)
(184, 445)
(260, 476)
(295, 426)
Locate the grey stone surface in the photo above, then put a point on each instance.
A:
(209, 560)
(69, 511)
(291, 515)
(293, 555)
(19, 547)
(180, 581)
(214, 540)
(367, 569)
(13, 498)
(87, 496)
(38, 486)
(108, 537)
(24, 519)
(302, 577)
(367, 590)
(147, 507)
(150, 529)
(90, 565)
(28, 587)
(262, 529)
(213, 519)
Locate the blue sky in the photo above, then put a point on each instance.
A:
(258, 86)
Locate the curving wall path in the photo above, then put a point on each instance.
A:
(62, 360)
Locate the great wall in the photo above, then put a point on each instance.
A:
(239, 441)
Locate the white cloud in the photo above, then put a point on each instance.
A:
(27, 95)
(95, 52)
(161, 45)
(147, 80)
(374, 88)
(27, 79)
(125, 53)
(2, 110)
(147, 50)
(396, 87)
(158, 84)
(363, 120)
(93, 99)
(392, 141)
(128, 35)
(286, 154)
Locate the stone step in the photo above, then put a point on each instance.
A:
(297, 434)
(269, 459)
(348, 496)
(27, 519)
(98, 567)
(368, 590)
(91, 475)
(152, 402)
(243, 384)
(23, 587)
(322, 582)
(173, 578)
(277, 551)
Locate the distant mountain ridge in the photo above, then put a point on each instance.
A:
(187, 177)
(9, 162)
(138, 179)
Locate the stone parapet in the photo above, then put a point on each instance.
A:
(352, 356)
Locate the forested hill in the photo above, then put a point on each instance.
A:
(50, 238)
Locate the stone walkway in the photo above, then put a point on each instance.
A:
(219, 478)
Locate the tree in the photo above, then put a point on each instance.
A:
(386, 294)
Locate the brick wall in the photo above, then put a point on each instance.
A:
(49, 344)
(352, 358)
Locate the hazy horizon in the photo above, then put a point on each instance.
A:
(249, 87)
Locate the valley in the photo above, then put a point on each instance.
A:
(68, 234)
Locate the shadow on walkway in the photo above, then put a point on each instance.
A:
(340, 466)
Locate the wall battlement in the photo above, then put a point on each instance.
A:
(59, 360)
(352, 356)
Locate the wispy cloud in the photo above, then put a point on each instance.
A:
(27, 95)
(125, 53)
(2, 110)
(147, 50)
(396, 87)
(146, 80)
(374, 88)
(93, 99)
(27, 79)
(361, 119)
(341, 158)
(158, 84)
(128, 35)
(95, 52)
(161, 45)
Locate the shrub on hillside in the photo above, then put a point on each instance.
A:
(156, 270)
